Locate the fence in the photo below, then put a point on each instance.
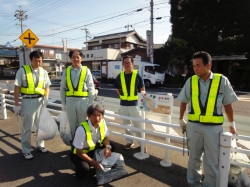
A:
(112, 105)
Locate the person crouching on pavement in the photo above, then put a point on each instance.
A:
(90, 135)
(33, 83)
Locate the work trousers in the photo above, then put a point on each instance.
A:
(131, 111)
(30, 112)
(203, 139)
(82, 167)
(76, 111)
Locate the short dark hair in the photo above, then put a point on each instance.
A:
(127, 56)
(72, 51)
(95, 107)
(36, 54)
(206, 58)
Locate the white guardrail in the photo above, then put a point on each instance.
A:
(111, 106)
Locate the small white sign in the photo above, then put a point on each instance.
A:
(162, 104)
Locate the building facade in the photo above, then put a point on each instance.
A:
(102, 49)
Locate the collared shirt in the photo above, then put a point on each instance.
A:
(226, 93)
(80, 135)
(21, 79)
(75, 76)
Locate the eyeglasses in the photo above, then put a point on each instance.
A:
(126, 63)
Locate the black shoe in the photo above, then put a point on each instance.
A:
(79, 177)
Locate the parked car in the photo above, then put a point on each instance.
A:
(97, 84)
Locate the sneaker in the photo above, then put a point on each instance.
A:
(128, 146)
(27, 156)
(42, 149)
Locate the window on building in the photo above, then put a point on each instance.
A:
(114, 46)
(96, 69)
(48, 54)
(96, 47)
(136, 67)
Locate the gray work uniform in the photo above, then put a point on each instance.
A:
(205, 138)
(77, 106)
(129, 108)
(30, 108)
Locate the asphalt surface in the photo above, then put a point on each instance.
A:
(55, 169)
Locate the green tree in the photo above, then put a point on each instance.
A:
(179, 54)
(220, 27)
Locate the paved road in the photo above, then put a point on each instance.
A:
(242, 107)
(55, 169)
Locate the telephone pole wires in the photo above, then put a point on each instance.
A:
(21, 16)
(127, 26)
(87, 35)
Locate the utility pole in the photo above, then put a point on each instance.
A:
(152, 31)
(21, 16)
(127, 26)
(87, 35)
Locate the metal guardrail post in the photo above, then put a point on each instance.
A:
(142, 155)
(3, 104)
(166, 162)
(224, 160)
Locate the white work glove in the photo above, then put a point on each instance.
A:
(183, 125)
(17, 109)
(64, 108)
(232, 127)
(45, 101)
(143, 92)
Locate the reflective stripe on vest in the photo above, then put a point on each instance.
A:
(31, 89)
(89, 140)
(131, 96)
(77, 92)
(208, 117)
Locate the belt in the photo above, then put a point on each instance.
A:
(32, 97)
(78, 96)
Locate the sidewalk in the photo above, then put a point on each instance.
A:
(55, 169)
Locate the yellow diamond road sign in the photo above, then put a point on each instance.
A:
(29, 38)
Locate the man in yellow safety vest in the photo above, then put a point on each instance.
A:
(206, 92)
(33, 83)
(90, 135)
(127, 85)
(77, 90)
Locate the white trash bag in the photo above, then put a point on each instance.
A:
(237, 174)
(113, 167)
(47, 127)
(64, 128)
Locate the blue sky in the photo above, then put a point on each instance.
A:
(53, 20)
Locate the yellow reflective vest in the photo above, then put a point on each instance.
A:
(78, 91)
(208, 115)
(90, 142)
(31, 89)
(124, 95)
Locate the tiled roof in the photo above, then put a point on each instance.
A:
(115, 35)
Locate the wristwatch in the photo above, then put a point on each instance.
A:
(109, 146)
